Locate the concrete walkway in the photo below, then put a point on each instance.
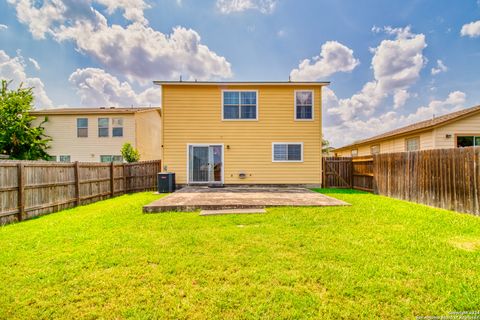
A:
(194, 198)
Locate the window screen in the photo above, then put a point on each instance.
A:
(117, 127)
(240, 105)
(103, 127)
(287, 152)
(304, 105)
(82, 127)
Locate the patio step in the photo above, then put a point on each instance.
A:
(231, 211)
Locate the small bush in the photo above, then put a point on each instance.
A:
(129, 153)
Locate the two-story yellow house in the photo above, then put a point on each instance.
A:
(242, 132)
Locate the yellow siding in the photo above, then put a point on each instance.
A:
(466, 126)
(148, 134)
(193, 114)
(63, 130)
(392, 145)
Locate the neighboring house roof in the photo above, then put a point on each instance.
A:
(101, 110)
(418, 127)
(244, 83)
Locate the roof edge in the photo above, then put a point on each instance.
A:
(245, 83)
(373, 139)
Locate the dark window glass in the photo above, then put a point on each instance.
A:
(117, 132)
(294, 152)
(304, 112)
(465, 141)
(249, 112)
(239, 105)
(287, 152)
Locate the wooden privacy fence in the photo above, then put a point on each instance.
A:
(337, 172)
(444, 178)
(32, 188)
(347, 172)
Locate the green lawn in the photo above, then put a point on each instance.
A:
(379, 258)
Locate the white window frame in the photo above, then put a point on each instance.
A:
(205, 145)
(98, 127)
(287, 143)
(117, 127)
(356, 152)
(295, 105)
(240, 111)
(82, 127)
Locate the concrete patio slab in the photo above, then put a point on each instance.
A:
(205, 198)
(231, 211)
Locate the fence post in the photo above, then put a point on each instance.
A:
(77, 183)
(124, 176)
(324, 180)
(21, 191)
(112, 179)
(351, 172)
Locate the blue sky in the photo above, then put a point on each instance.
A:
(390, 62)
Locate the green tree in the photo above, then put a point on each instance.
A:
(18, 138)
(325, 146)
(129, 153)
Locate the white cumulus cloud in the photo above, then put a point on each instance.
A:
(231, 6)
(396, 66)
(96, 87)
(13, 69)
(3, 27)
(334, 57)
(400, 97)
(441, 67)
(340, 134)
(471, 29)
(136, 50)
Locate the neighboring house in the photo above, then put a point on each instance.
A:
(457, 129)
(242, 132)
(97, 134)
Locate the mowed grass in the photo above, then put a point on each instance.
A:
(379, 258)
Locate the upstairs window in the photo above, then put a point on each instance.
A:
(412, 144)
(239, 105)
(82, 127)
(287, 152)
(304, 105)
(103, 127)
(117, 127)
(354, 152)
(468, 141)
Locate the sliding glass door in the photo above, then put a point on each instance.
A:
(205, 164)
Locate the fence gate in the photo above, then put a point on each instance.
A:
(337, 172)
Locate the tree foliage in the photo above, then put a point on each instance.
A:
(18, 138)
(325, 146)
(129, 153)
